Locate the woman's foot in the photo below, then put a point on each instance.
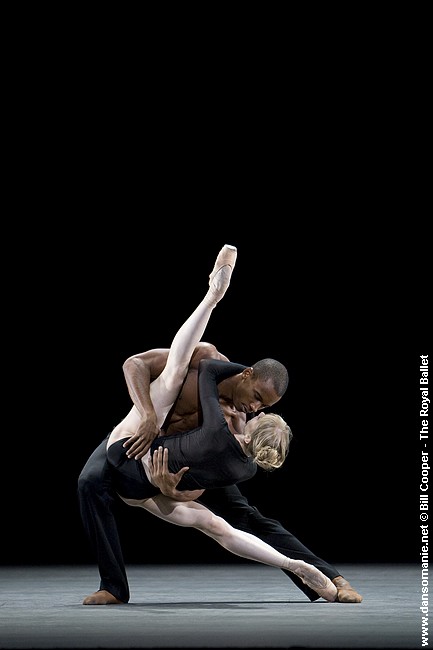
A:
(315, 579)
(219, 279)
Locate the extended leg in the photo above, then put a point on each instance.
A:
(165, 389)
(230, 504)
(195, 515)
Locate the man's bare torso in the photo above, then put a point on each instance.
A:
(186, 412)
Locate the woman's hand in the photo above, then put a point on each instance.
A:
(166, 481)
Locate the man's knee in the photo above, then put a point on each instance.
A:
(84, 487)
(90, 483)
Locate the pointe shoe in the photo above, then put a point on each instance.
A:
(102, 597)
(316, 580)
(345, 592)
(219, 279)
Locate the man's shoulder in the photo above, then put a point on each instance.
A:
(206, 351)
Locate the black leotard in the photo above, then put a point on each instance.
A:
(212, 453)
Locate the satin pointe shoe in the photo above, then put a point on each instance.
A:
(219, 279)
(316, 580)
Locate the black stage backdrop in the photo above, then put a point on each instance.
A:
(114, 218)
(337, 305)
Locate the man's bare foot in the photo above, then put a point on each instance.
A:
(102, 597)
(345, 592)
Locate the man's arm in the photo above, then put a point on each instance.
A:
(166, 481)
(139, 371)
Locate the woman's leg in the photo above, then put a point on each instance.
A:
(165, 389)
(238, 542)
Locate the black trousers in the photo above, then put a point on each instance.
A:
(97, 497)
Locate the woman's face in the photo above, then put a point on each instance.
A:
(251, 425)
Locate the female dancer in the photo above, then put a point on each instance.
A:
(215, 456)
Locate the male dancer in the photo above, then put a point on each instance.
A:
(96, 493)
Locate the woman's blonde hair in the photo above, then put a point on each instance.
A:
(270, 441)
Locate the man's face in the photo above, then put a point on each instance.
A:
(251, 395)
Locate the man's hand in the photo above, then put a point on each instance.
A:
(139, 443)
(166, 481)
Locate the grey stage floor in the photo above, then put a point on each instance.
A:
(208, 606)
